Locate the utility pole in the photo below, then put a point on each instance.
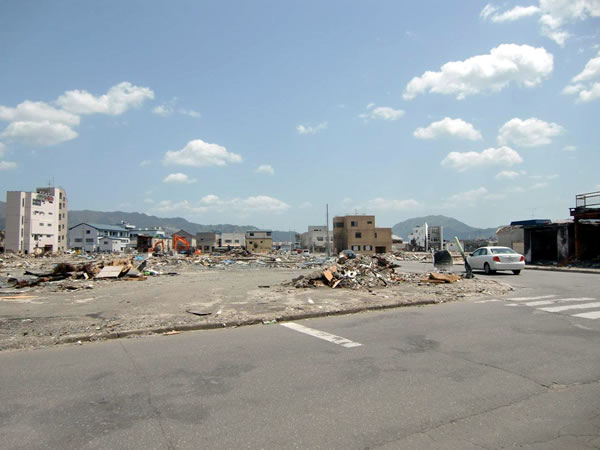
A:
(327, 226)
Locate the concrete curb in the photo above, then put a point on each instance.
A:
(564, 269)
(69, 339)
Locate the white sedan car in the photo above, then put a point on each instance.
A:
(490, 259)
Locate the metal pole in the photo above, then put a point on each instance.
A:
(327, 227)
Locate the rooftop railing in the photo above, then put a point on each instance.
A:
(588, 200)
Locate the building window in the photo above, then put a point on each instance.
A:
(89, 240)
(356, 247)
(105, 242)
(353, 224)
(375, 235)
(320, 239)
(237, 241)
(358, 235)
(87, 231)
(268, 233)
(251, 234)
(338, 225)
(228, 241)
(369, 222)
(368, 248)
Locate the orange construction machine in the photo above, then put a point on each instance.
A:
(181, 245)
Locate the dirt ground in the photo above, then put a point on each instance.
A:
(197, 296)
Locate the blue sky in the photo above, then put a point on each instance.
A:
(262, 112)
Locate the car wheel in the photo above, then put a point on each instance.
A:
(516, 272)
(487, 269)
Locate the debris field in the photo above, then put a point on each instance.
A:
(52, 300)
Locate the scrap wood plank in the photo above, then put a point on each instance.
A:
(442, 278)
(110, 272)
(16, 297)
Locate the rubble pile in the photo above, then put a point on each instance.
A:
(367, 272)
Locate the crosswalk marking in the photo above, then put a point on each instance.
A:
(321, 335)
(559, 300)
(540, 303)
(589, 315)
(553, 303)
(522, 299)
(567, 307)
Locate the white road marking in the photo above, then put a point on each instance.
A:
(522, 299)
(488, 301)
(321, 335)
(567, 307)
(559, 300)
(540, 303)
(589, 315)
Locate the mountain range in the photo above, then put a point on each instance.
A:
(452, 227)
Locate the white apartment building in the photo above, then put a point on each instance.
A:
(90, 237)
(315, 239)
(36, 222)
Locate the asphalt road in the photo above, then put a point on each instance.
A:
(491, 373)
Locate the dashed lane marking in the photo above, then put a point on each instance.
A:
(489, 301)
(321, 335)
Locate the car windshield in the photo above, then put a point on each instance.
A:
(502, 250)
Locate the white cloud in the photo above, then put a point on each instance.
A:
(189, 112)
(473, 197)
(198, 153)
(528, 133)
(582, 85)
(448, 127)
(145, 163)
(2, 149)
(518, 12)
(305, 205)
(569, 148)
(148, 201)
(262, 203)
(540, 185)
(393, 205)
(307, 129)
(40, 134)
(163, 110)
(487, 11)
(489, 157)
(117, 100)
(213, 203)
(29, 111)
(590, 71)
(7, 165)
(168, 109)
(505, 64)
(179, 178)
(266, 169)
(382, 112)
(554, 15)
(507, 175)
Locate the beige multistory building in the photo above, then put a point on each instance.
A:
(358, 233)
(36, 222)
(259, 241)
